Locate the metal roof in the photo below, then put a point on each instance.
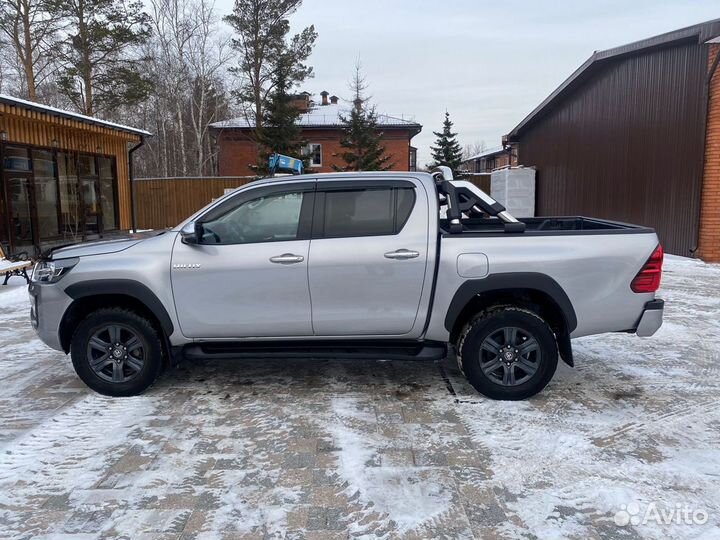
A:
(323, 116)
(487, 153)
(699, 33)
(53, 111)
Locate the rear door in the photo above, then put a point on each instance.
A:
(248, 277)
(368, 257)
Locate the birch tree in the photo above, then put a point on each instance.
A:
(190, 57)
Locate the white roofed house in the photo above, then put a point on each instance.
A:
(322, 128)
(489, 160)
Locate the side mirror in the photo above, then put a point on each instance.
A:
(192, 233)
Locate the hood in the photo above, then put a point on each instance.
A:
(84, 249)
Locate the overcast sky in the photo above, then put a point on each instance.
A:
(488, 63)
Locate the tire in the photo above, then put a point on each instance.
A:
(116, 352)
(513, 373)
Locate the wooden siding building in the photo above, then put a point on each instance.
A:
(164, 202)
(65, 177)
(634, 135)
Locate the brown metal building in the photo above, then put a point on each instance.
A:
(625, 137)
(64, 177)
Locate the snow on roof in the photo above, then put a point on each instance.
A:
(53, 111)
(486, 153)
(322, 116)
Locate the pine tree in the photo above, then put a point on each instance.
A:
(31, 30)
(280, 132)
(100, 68)
(447, 150)
(362, 140)
(261, 37)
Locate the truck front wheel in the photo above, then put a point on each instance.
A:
(507, 353)
(116, 352)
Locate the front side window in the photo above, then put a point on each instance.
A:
(366, 212)
(274, 218)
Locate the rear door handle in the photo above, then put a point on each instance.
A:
(402, 254)
(287, 258)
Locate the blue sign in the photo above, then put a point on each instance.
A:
(287, 164)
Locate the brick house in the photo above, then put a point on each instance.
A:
(489, 160)
(321, 127)
(634, 135)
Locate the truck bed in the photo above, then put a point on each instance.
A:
(545, 226)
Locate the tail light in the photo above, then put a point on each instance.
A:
(648, 278)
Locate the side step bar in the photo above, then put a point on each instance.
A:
(370, 350)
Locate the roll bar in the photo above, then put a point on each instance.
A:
(463, 197)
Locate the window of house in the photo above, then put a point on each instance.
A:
(87, 169)
(366, 212)
(16, 159)
(107, 193)
(274, 218)
(314, 152)
(46, 195)
(69, 196)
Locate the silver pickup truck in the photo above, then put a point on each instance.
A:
(352, 265)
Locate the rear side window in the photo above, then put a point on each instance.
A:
(365, 212)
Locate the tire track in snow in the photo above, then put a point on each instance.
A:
(683, 413)
(70, 451)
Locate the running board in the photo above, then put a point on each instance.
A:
(370, 350)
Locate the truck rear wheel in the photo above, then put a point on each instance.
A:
(116, 352)
(507, 353)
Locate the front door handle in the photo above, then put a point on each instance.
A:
(287, 258)
(402, 254)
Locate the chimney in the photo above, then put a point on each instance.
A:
(358, 104)
(324, 95)
(333, 100)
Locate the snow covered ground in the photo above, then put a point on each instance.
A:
(626, 445)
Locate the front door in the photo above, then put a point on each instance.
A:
(368, 258)
(248, 276)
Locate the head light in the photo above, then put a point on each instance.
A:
(52, 271)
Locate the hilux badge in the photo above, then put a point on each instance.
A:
(190, 266)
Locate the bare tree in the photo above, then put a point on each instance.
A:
(471, 150)
(174, 28)
(209, 54)
(190, 55)
(30, 29)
